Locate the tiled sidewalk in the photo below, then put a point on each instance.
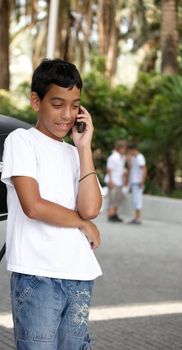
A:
(137, 303)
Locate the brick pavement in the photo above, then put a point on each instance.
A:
(141, 266)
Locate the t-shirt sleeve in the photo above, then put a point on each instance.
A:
(141, 160)
(19, 157)
(101, 189)
(111, 163)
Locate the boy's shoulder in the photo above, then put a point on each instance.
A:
(140, 156)
(114, 156)
(141, 159)
(19, 132)
(29, 136)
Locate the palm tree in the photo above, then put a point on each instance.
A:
(109, 16)
(4, 43)
(15, 10)
(169, 37)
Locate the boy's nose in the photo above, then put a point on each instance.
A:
(66, 113)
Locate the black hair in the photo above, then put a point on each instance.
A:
(55, 71)
(132, 146)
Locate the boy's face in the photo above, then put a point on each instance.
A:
(132, 152)
(57, 110)
(122, 150)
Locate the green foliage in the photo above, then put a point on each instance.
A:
(155, 122)
(98, 62)
(107, 106)
(150, 114)
(8, 106)
(23, 89)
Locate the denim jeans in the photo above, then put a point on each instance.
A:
(50, 313)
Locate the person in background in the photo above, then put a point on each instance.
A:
(115, 179)
(137, 176)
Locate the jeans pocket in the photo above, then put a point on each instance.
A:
(35, 308)
(22, 287)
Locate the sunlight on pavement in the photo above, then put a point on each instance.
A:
(136, 310)
(6, 320)
(104, 313)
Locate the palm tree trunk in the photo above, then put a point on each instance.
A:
(112, 52)
(4, 44)
(108, 25)
(142, 26)
(85, 9)
(101, 26)
(63, 34)
(169, 37)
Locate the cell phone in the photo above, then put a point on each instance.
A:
(80, 125)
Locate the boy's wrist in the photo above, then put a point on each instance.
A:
(83, 224)
(84, 149)
(86, 161)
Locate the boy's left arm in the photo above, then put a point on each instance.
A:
(144, 175)
(89, 198)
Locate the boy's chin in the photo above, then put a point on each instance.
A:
(62, 134)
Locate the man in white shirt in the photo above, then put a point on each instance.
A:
(115, 179)
(53, 193)
(137, 177)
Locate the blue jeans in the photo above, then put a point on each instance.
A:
(50, 313)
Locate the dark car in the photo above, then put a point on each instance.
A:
(7, 125)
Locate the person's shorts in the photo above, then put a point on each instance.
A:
(50, 313)
(137, 196)
(114, 197)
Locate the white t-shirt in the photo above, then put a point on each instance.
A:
(115, 163)
(35, 247)
(136, 171)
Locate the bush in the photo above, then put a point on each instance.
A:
(149, 114)
(155, 122)
(8, 106)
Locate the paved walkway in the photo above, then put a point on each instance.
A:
(137, 303)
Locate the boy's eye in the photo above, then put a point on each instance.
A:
(57, 105)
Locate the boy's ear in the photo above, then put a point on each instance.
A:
(35, 101)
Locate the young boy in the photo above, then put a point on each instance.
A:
(115, 179)
(53, 193)
(137, 177)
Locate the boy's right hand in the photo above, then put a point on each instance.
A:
(110, 185)
(92, 233)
